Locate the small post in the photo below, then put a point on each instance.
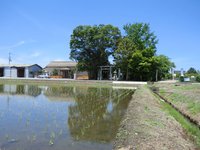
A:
(110, 73)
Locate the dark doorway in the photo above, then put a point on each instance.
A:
(1, 72)
(67, 73)
(105, 75)
(20, 72)
(64, 73)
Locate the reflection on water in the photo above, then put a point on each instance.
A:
(30, 90)
(41, 117)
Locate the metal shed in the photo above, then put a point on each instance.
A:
(19, 70)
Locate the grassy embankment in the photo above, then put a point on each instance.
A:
(185, 97)
(67, 82)
(56, 82)
(191, 129)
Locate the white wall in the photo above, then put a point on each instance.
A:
(13, 72)
(8, 72)
(26, 72)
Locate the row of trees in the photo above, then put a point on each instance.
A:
(134, 52)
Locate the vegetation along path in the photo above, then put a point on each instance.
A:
(185, 96)
(149, 125)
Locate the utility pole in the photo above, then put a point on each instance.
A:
(9, 60)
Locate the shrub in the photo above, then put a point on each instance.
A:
(55, 72)
(198, 78)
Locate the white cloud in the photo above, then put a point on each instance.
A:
(8, 47)
(35, 54)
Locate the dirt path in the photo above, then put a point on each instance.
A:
(147, 127)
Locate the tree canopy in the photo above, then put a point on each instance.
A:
(191, 70)
(91, 46)
(136, 54)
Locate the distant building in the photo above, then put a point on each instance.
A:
(179, 72)
(19, 71)
(64, 69)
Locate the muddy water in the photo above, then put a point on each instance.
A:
(48, 118)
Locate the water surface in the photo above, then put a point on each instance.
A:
(61, 117)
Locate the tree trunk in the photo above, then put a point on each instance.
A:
(92, 75)
(127, 77)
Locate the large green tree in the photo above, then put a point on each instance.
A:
(161, 65)
(136, 54)
(91, 46)
(192, 70)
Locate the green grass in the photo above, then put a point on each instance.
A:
(175, 97)
(162, 90)
(192, 130)
(187, 87)
(194, 108)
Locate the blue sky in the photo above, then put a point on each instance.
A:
(38, 31)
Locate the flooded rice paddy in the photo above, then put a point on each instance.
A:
(60, 117)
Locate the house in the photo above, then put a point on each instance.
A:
(179, 72)
(19, 71)
(64, 69)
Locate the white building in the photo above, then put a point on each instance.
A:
(23, 71)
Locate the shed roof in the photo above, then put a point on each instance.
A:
(61, 64)
(19, 65)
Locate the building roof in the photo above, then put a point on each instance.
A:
(19, 65)
(61, 64)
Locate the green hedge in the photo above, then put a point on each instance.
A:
(198, 78)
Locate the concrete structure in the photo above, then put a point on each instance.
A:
(17, 71)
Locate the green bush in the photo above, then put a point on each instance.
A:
(55, 72)
(198, 78)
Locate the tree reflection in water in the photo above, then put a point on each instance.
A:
(91, 119)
